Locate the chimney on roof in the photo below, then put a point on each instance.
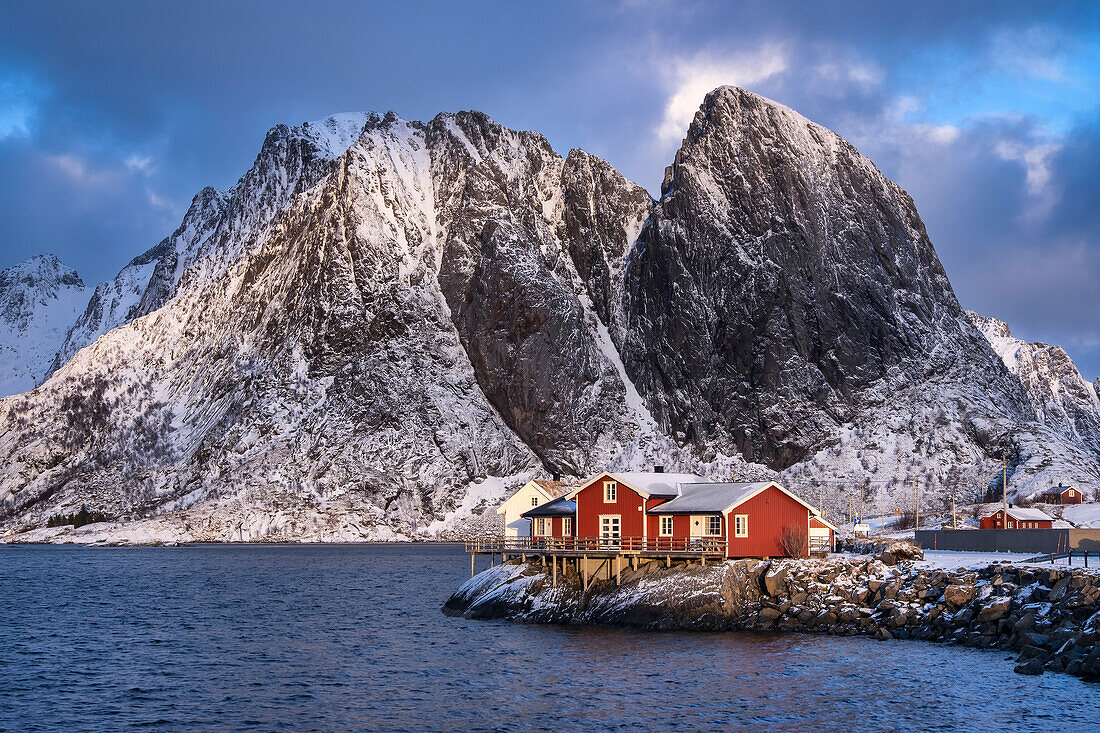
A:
(556, 475)
(658, 469)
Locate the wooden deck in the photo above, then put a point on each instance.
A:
(695, 547)
(595, 558)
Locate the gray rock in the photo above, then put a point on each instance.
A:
(1026, 622)
(995, 609)
(1030, 667)
(775, 581)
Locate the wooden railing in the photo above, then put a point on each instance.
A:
(677, 545)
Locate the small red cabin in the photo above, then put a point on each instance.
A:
(1066, 495)
(1017, 518)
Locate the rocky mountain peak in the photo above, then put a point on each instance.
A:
(33, 283)
(779, 277)
(991, 328)
(1059, 395)
(39, 300)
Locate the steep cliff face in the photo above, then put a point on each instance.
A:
(385, 325)
(780, 277)
(1059, 395)
(409, 324)
(39, 299)
(784, 302)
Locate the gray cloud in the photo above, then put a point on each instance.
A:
(128, 108)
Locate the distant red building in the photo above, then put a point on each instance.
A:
(1066, 495)
(1017, 518)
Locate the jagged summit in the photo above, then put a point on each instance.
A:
(385, 324)
(39, 299)
(1059, 395)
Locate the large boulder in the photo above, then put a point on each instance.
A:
(959, 595)
(775, 581)
(1031, 666)
(995, 610)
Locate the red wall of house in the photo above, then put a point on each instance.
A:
(769, 512)
(590, 505)
(558, 522)
(1065, 498)
(653, 522)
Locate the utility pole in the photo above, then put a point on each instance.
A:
(916, 521)
(1004, 486)
(954, 517)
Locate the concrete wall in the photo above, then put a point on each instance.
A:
(1009, 540)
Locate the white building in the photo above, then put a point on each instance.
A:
(532, 494)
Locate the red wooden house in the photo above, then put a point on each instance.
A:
(1066, 495)
(665, 512)
(1017, 518)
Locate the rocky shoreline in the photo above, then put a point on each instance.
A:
(1050, 617)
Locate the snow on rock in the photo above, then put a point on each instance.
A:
(386, 324)
(1059, 395)
(39, 300)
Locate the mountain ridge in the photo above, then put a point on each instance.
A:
(349, 346)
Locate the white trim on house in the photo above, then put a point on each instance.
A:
(740, 525)
(615, 520)
(662, 530)
(708, 526)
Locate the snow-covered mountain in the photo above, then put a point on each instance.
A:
(39, 300)
(383, 318)
(1060, 396)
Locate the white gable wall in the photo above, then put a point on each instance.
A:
(517, 504)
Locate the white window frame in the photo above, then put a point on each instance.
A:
(610, 492)
(666, 526)
(707, 526)
(618, 522)
(534, 501)
(567, 526)
(741, 525)
(543, 527)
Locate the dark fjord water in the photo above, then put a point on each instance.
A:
(352, 638)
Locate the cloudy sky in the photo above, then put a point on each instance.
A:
(112, 115)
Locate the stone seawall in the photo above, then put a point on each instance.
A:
(1051, 617)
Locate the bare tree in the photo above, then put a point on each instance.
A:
(793, 540)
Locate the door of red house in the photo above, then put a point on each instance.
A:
(609, 530)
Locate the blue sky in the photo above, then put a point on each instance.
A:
(112, 115)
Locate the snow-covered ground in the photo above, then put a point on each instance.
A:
(953, 559)
(1085, 516)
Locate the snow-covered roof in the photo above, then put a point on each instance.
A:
(1061, 489)
(1026, 515)
(647, 483)
(656, 483)
(560, 507)
(709, 497)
